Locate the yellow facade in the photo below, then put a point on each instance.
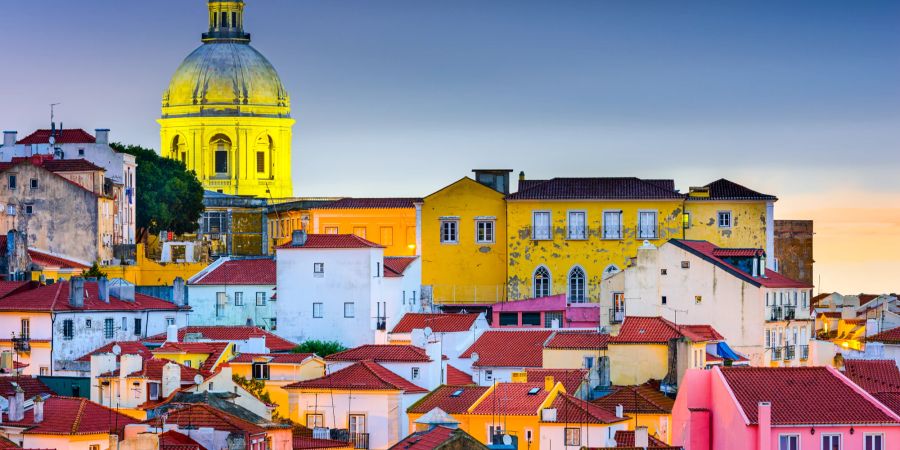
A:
(394, 228)
(747, 228)
(195, 360)
(569, 358)
(226, 113)
(145, 272)
(281, 375)
(634, 364)
(464, 271)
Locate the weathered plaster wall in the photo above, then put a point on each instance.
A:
(748, 223)
(632, 364)
(794, 249)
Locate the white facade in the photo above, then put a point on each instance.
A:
(241, 305)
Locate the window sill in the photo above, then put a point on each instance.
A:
(649, 238)
(485, 242)
(570, 238)
(449, 242)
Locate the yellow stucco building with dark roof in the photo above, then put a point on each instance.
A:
(226, 114)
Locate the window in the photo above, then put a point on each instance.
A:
(221, 300)
(573, 436)
(221, 160)
(509, 319)
(449, 231)
(12, 182)
(540, 225)
(588, 362)
(360, 231)
(273, 324)
(664, 299)
(349, 310)
(137, 327)
(29, 209)
(109, 326)
(94, 447)
(10, 210)
(25, 330)
(317, 310)
(170, 321)
(488, 375)
(698, 299)
(315, 421)
(663, 271)
(415, 373)
(357, 423)
(238, 299)
(647, 225)
(224, 20)
(531, 318)
(387, 236)
(153, 390)
(553, 320)
(260, 299)
(612, 225)
(577, 225)
(234, 19)
(686, 220)
(80, 152)
(577, 285)
(484, 231)
(331, 230)
(260, 371)
(831, 442)
(541, 282)
(873, 442)
(318, 269)
(724, 219)
(125, 323)
(789, 442)
(87, 323)
(68, 329)
(34, 183)
(260, 162)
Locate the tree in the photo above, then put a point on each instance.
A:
(169, 197)
(320, 348)
(93, 272)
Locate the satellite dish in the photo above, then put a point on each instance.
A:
(428, 331)
(198, 379)
(507, 440)
(117, 350)
(474, 356)
(51, 140)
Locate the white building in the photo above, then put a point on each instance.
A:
(421, 366)
(763, 315)
(79, 144)
(235, 291)
(54, 325)
(340, 287)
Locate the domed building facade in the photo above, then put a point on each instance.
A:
(226, 113)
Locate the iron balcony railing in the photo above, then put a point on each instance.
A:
(777, 353)
(577, 233)
(789, 312)
(789, 353)
(360, 440)
(775, 314)
(616, 315)
(539, 233)
(804, 352)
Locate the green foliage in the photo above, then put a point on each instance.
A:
(169, 197)
(258, 389)
(93, 272)
(321, 348)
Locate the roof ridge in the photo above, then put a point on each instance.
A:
(78, 415)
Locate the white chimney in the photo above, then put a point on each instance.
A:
(435, 368)
(16, 405)
(171, 378)
(620, 411)
(172, 333)
(641, 437)
(755, 267)
(38, 409)
(178, 291)
(9, 138)
(103, 289)
(102, 135)
(76, 292)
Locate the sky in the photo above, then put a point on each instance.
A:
(799, 99)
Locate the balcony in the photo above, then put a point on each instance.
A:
(775, 314)
(789, 353)
(380, 323)
(465, 294)
(777, 353)
(22, 345)
(616, 315)
(359, 440)
(577, 233)
(356, 440)
(804, 352)
(789, 312)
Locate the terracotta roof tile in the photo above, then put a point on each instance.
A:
(253, 271)
(891, 336)
(433, 438)
(706, 250)
(873, 375)
(152, 369)
(273, 358)
(643, 399)
(362, 376)
(700, 333)
(515, 348)
(72, 416)
(656, 330)
(443, 397)
(55, 297)
(233, 333)
(626, 439)
(319, 241)
(723, 189)
(70, 165)
(48, 260)
(213, 349)
(173, 440)
(596, 188)
(66, 136)
(578, 340)
(570, 409)
(203, 415)
(457, 377)
(381, 353)
(370, 203)
(571, 379)
(889, 399)
(800, 396)
(308, 442)
(513, 399)
(11, 287)
(439, 323)
(128, 348)
(31, 385)
(738, 252)
(395, 266)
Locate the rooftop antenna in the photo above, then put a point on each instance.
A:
(52, 139)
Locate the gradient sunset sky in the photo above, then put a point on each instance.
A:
(799, 99)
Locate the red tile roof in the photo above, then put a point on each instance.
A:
(889, 399)
(32, 386)
(879, 375)
(6, 443)
(891, 336)
(319, 241)
(801, 396)
(395, 266)
(72, 416)
(596, 188)
(457, 377)
(370, 203)
(425, 440)
(738, 252)
(173, 440)
(66, 136)
(55, 297)
(128, 348)
(48, 260)
(439, 323)
(11, 287)
(240, 272)
(578, 340)
(381, 353)
(571, 379)
(443, 398)
(643, 399)
(723, 189)
(152, 369)
(213, 349)
(274, 342)
(626, 439)
(70, 165)
(700, 333)
(512, 399)
(570, 409)
(362, 376)
(706, 251)
(201, 415)
(656, 330)
(273, 358)
(515, 348)
(308, 442)
(831, 314)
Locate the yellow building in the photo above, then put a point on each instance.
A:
(464, 256)
(206, 356)
(390, 222)
(226, 114)
(730, 215)
(278, 370)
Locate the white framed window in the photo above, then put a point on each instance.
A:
(170, 321)
(647, 224)
(68, 329)
(260, 371)
(450, 231)
(415, 373)
(540, 225)
(331, 230)
(724, 219)
(577, 285)
(573, 436)
(109, 326)
(488, 375)
(577, 227)
(260, 299)
(357, 423)
(153, 389)
(221, 300)
(317, 310)
(789, 442)
(238, 299)
(541, 282)
(318, 270)
(831, 442)
(315, 420)
(612, 224)
(349, 310)
(873, 441)
(484, 231)
(10, 210)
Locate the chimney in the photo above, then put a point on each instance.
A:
(122, 290)
(178, 291)
(16, 405)
(764, 418)
(549, 383)
(755, 267)
(641, 437)
(298, 238)
(76, 292)
(103, 289)
(102, 135)
(762, 266)
(9, 138)
(129, 364)
(620, 411)
(171, 378)
(521, 176)
(38, 409)
(172, 333)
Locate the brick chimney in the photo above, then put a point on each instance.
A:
(76, 292)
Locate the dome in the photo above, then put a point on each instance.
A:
(230, 76)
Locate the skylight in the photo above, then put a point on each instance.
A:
(534, 391)
(456, 393)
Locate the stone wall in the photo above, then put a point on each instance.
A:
(794, 249)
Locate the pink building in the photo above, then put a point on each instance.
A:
(544, 312)
(784, 408)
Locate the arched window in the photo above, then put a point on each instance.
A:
(221, 146)
(577, 283)
(610, 270)
(541, 282)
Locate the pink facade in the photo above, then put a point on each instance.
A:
(708, 416)
(540, 312)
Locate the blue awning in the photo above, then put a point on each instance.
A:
(725, 352)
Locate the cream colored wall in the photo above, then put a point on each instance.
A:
(632, 364)
(568, 359)
(74, 442)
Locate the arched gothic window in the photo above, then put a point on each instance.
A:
(577, 285)
(541, 282)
